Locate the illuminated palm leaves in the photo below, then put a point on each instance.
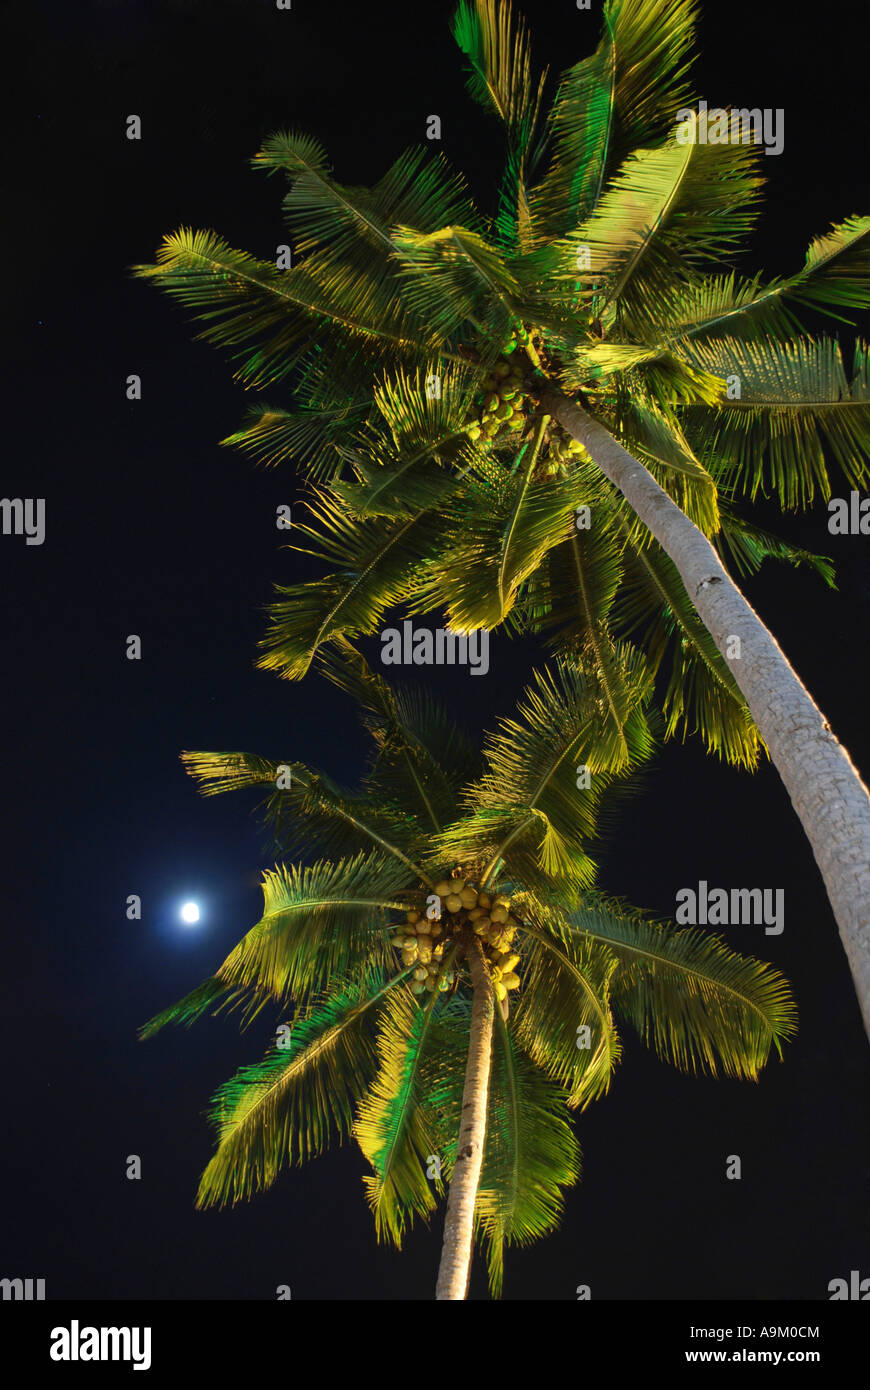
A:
(796, 410)
(605, 256)
(365, 1055)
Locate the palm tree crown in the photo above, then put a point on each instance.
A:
(418, 335)
(447, 881)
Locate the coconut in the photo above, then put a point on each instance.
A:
(509, 962)
(443, 983)
(412, 916)
(443, 887)
(490, 401)
(421, 972)
(498, 914)
(484, 900)
(468, 897)
(430, 982)
(511, 980)
(417, 987)
(506, 391)
(500, 991)
(425, 955)
(502, 368)
(454, 902)
(491, 430)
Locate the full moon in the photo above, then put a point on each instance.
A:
(190, 912)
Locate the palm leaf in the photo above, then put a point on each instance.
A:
(288, 1106)
(796, 410)
(530, 1155)
(318, 923)
(697, 1003)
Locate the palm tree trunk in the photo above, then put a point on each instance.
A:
(827, 793)
(455, 1268)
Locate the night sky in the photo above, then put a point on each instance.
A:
(152, 528)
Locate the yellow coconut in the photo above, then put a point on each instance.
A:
(454, 902)
(443, 887)
(421, 972)
(417, 987)
(509, 963)
(500, 991)
(429, 982)
(425, 954)
(484, 900)
(510, 980)
(412, 916)
(498, 914)
(468, 897)
(475, 913)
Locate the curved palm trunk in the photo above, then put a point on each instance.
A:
(825, 789)
(455, 1269)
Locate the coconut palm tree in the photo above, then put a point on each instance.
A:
(607, 268)
(455, 978)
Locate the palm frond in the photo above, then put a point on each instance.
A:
(795, 410)
(287, 1107)
(391, 1127)
(319, 923)
(563, 1017)
(627, 94)
(530, 1155)
(376, 564)
(698, 1004)
(701, 694)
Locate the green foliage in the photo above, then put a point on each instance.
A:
(605, 270)
(406, 281)
(367, 1058)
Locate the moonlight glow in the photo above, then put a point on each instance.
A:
(190, 912)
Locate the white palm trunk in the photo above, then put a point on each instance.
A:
(825, 788)
(455, 1268)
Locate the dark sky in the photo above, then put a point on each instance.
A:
(153, 529)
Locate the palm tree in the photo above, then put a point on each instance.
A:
(606, 274)
(478, 873)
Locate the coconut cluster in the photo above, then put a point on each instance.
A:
(423, 940)
(563, 451)
(499, 407)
